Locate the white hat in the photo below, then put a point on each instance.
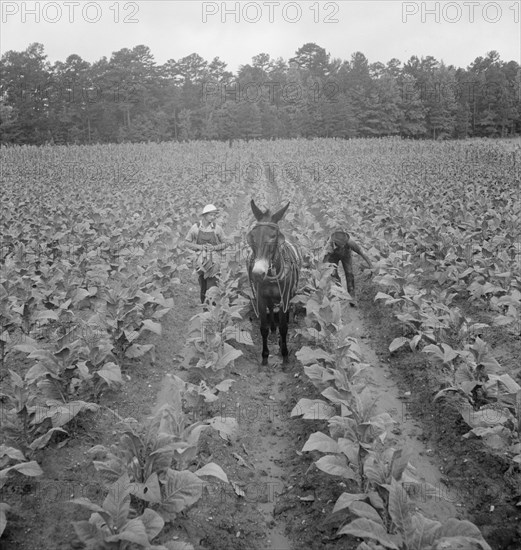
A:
(208, 208)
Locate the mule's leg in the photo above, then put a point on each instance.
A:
(264, 328)
(273, 326)
(283, 331)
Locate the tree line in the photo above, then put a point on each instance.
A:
(131, 98)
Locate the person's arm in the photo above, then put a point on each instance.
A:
(353, 246)
(191, 239)
(219, 233)
(328, 249)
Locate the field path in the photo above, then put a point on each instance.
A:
(242, 517)
(407, 432)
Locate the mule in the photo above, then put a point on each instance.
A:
(273, 267)
(339, 249)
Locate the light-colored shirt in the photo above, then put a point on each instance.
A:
(206, 260)
(193, 233)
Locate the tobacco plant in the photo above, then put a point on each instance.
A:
(207, 351)
(157, 456)
(114, 525)
(13, 460)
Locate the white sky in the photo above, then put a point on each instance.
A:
(172, 29)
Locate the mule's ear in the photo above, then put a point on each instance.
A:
(256, 210)
(279, 214)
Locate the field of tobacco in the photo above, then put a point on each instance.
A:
(133, 418)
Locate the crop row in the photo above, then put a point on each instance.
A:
(88, 268)
(380, 479)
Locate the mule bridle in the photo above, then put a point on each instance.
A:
(276, 277)
(275, 248)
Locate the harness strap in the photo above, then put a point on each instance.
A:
(289, 254)
(269, 224)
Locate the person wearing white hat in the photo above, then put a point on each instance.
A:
(206, 237)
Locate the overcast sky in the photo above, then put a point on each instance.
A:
(455, 32)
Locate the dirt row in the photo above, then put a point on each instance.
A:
(479, 484)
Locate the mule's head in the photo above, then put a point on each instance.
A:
(264, 239)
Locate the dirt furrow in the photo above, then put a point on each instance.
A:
(433, 502)
(242, 515)
(436, 500)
